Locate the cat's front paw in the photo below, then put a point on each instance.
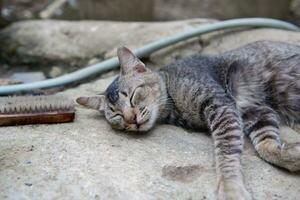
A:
(290, 156)
(232, 190)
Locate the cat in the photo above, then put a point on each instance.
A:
(250, 91)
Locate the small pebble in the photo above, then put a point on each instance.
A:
(31, 148)
(55, 71)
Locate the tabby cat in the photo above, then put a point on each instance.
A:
(250, 91)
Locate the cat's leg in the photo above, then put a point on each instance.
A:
(226, 127)
(262, 126)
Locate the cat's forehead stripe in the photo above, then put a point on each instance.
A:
(112, 92)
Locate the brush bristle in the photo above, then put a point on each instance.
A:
(35, 104)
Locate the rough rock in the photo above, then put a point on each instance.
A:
(220, 42)
(69, 45)
(88, 160)
(65, 43)
(9, 82)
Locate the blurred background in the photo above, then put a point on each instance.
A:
(52, 48)
(147, 10)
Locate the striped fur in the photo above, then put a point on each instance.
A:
(250, 91)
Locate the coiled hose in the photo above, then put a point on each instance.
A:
(146, 50)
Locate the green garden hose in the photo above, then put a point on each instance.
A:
(146, 51)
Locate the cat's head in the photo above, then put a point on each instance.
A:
(133, 100)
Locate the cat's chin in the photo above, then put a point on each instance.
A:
(145, 126)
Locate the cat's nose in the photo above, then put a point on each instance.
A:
(129, 117)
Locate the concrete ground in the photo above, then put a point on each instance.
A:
(86, 159)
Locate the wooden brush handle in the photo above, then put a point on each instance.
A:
(36, 118)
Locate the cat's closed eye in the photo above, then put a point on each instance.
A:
(124, 93)
(117, 115)
(111, 108)
(139, 95)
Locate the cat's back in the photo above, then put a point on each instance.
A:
(267, 73)
(252, 74)
(257, 60)
(194, 68)
(263, 51)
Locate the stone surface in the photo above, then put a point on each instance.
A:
(62, 43)
(8, 82)
(86, 159)
(220, 42)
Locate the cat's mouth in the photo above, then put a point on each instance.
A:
(144, 126)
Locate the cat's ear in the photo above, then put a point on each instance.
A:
(94, 102)
(129, 62)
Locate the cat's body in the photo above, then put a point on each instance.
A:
(249, 91)
(259, 74)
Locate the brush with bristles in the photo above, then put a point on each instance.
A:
(20, 110)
